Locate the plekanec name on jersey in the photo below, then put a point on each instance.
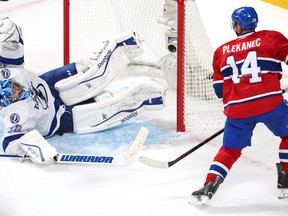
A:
(241, 46)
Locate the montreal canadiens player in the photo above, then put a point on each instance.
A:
(247, 73)
(76, 97)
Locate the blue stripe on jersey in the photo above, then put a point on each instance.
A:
(9, 139)
(218, 88)
(7, 61)
(264, 64)
(55, 121)
(250, 99)
(269, 65)
(217, 169)
(283, 155)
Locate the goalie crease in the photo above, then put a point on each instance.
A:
(121, 159)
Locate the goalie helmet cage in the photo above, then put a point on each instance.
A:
(88, 23)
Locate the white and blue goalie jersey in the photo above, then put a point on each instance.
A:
(41, 111)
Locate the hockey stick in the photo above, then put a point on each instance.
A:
(160, 164)
(99, 159)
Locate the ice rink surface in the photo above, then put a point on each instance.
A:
(138, 190)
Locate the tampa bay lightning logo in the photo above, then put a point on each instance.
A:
(14, 118)
(40, 96)
(5, 73)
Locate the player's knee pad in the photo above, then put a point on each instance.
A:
(118, 105)
(106, 64)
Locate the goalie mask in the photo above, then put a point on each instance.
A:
(11, 92)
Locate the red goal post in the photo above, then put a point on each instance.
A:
(197, 105)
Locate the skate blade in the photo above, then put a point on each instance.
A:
(283, 194)
(199, 200)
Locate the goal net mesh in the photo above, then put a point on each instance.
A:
(93, 21)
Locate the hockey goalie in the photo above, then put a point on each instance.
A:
(74, 98)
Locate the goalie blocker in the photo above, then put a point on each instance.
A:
(11, 44)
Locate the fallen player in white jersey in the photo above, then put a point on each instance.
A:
(75, 97)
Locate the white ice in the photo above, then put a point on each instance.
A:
(138, 190)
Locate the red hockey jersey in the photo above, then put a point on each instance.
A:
(247, 73)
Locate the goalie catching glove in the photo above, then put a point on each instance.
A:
(38, 149)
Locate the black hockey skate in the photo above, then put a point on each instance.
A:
(201, 196)
(282, 183)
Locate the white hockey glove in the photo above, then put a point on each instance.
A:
(38, 149)
(10, 34)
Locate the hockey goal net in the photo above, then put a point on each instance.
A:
(88, 23)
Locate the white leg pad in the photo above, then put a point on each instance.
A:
(83, 86)
(119, 105)
(112, 58)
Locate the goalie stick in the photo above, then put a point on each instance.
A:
(122, 159)
(160, 164)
